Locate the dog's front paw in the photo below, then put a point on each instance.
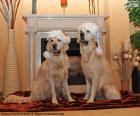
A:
(71, 100)
(54, 101)
(86, 97)
(90, 101)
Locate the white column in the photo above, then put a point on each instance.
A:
(31, 55)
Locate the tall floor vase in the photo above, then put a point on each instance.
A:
(11, 73)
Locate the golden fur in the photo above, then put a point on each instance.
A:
(101, 79)
(52, 77)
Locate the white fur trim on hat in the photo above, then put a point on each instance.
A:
(99, 51)
(59, 35)
(46, 54)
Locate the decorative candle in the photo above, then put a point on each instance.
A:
(34, 6)
(63, 3)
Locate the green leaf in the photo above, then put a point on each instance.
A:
(135, 39)
(134, 13)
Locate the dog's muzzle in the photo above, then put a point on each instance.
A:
(84, 42)
(55, 51)
(82, 39)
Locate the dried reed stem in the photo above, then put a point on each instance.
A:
(8, 9)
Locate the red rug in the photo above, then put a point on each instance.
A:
(80, 104)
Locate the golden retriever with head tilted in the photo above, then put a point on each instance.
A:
(101, 79)
(53, 74)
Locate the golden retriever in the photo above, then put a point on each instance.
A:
(53, 74)
(101, 79)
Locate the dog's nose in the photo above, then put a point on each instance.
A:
(82, 35)
(54, 47)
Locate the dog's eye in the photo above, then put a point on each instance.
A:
(88, 31)
(51, 40)
(59, 40)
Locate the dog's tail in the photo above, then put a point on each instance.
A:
(17, 99)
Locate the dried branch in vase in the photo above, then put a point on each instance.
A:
(9, 9)
(125, 60)
(91, 6)
(137, 59)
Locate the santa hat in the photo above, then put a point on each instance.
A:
(59, 35)
(95, 31)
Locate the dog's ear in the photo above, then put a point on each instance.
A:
(96, 44)
(48, 47)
